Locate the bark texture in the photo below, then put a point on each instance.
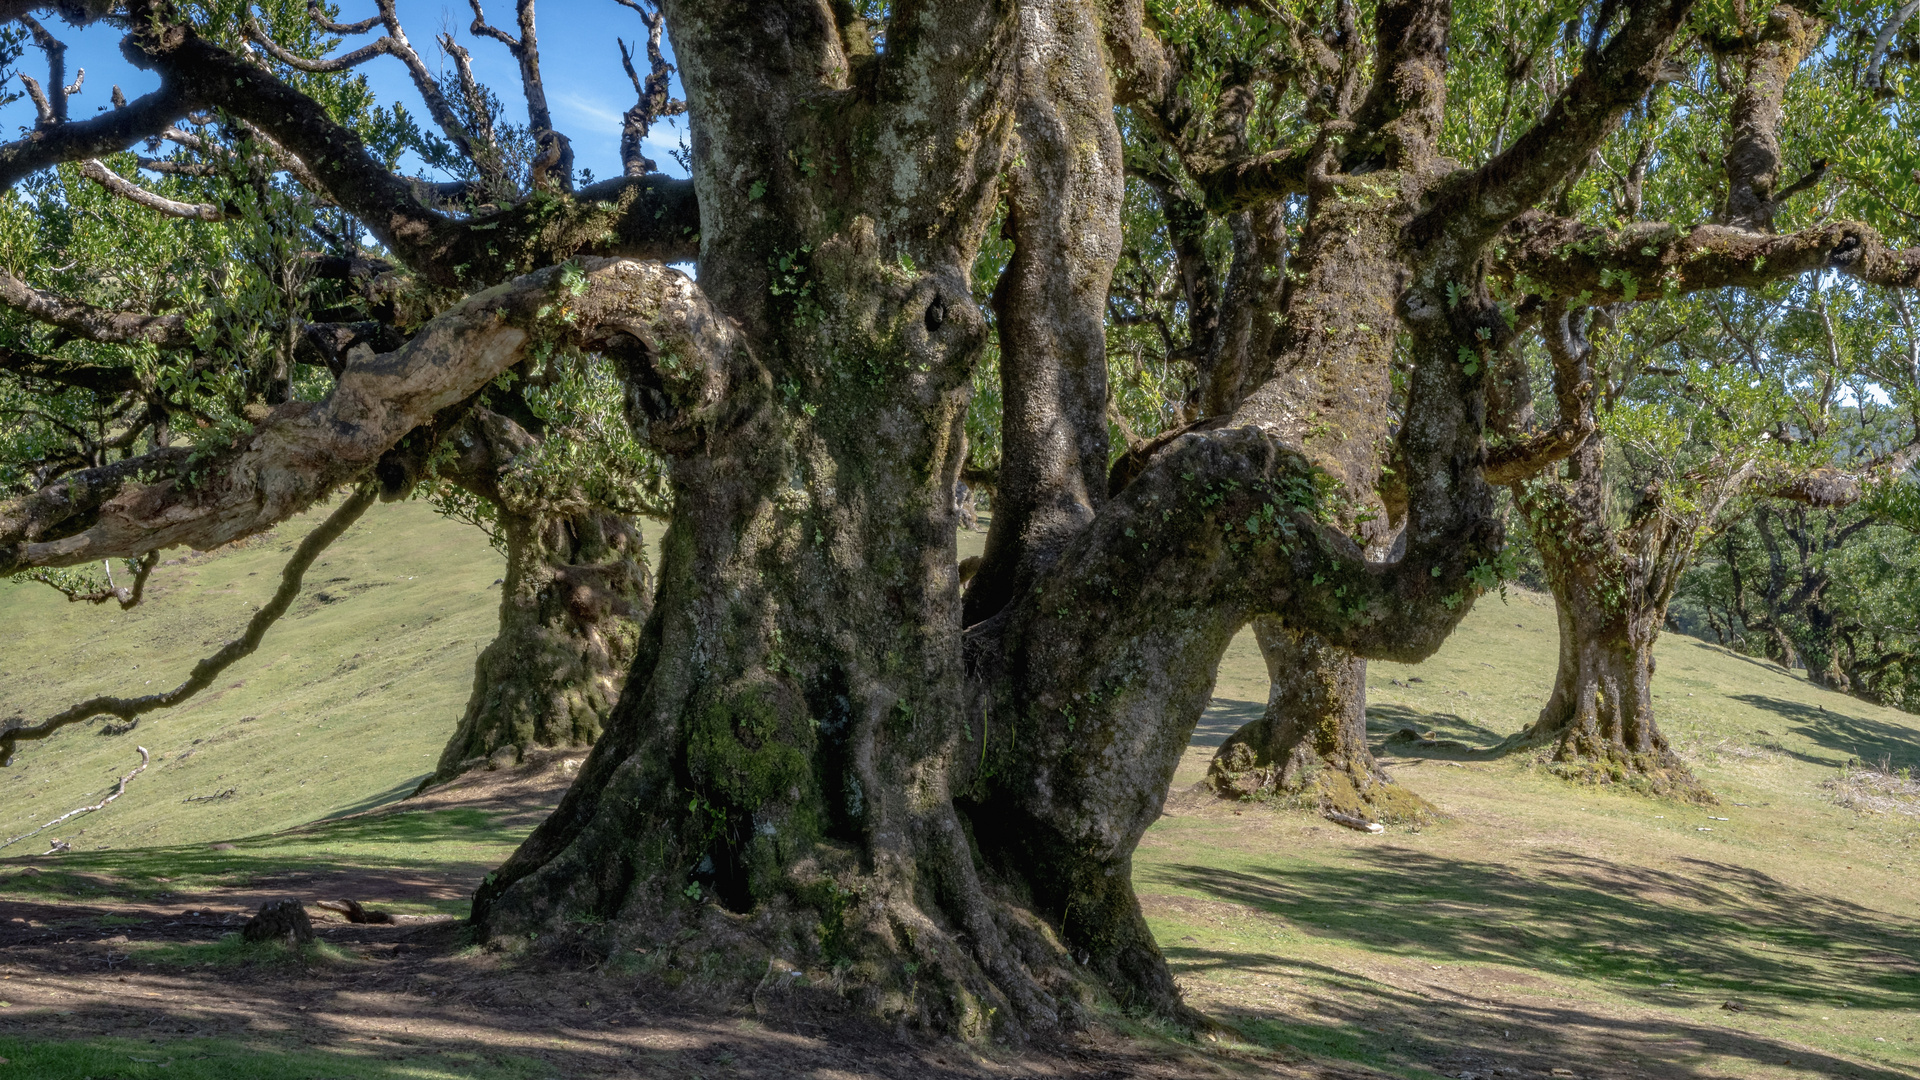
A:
(1311, 744)
(823, 755)
(576, 589)
(1611, 589)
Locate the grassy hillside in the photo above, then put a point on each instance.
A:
(1540, 929)
(1548, 926)
(345, 705)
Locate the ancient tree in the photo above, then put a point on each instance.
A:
(825, 751)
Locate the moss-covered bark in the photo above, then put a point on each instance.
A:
(821, 759)
(1311, 744)
(1611, 589)
(575, 591)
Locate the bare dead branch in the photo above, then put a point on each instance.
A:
(52, 111)
(96, 170)
(258, 35)
(319, 17)
(557, 164)
(210, 668)
(119, 789)
(654, 100)
(1655, 259)
(1875, 78)
(644, 217)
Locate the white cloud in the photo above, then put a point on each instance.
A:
(592, 109)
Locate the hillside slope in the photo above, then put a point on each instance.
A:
(1541, 929)
(346, 704)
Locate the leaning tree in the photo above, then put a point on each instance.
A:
(824, 751)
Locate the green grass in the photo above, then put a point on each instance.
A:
(227, 1059)
(345, 706)
(1587, 927)
(1602, 923)
(231, 950)
(383, 847)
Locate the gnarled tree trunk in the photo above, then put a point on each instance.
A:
(575, 590)
(1311, 744)
(1611, 589)
(822, 754)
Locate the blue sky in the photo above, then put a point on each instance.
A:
(580, 63)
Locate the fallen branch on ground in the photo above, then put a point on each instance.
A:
(1359, 824)
(354, 912)
(118, 790)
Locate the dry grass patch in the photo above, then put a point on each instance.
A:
(1876, 789)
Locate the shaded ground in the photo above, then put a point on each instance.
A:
(1545, 926)
(122, 964)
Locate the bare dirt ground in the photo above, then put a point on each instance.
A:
(391, 994)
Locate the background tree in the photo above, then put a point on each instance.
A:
(274, 292)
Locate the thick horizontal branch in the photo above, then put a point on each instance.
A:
(1566, 258)
(210, 668)
(1239, 185)
(683, 355)
(107, 133)
(92, 323)
(1828, 487)
(76, 373)
(1247, 524)
(1520, 460)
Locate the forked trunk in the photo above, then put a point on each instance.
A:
(1611, 588)
(1311, 744)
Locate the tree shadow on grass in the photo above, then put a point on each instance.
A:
(1223, 717)
(385, 798)
(1847, 735)
(385, 855)
(1710, 931)
(1385, 721)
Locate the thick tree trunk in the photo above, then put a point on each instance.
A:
(1311, 744)
(1611, 589)
(1598, 723)
(575, 590)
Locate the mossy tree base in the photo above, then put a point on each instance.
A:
(576, 589)
(1310, 747)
